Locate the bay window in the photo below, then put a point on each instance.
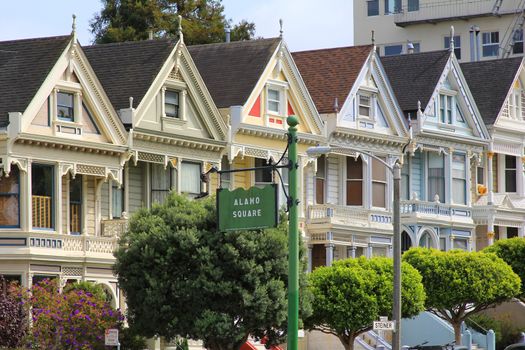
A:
(162, 181)
(320, 177)
(75, 205)
(190, 178)
(459, 179)
(510, 173)
(10, 199)
(42, 195)
(354, 181)
(436, 176)
(378, 184)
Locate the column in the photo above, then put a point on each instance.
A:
(329, 253)
(350, 252)
(28, 201)
(490, 180)
(126, 188)
(58, 198)
(310, 247)
(77, 114)
(369, 251)
(521, 230)
(83, 221)
(182, 105)
(519, 176)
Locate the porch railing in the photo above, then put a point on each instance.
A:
(41, 211)
(324, 213)
(435, 208)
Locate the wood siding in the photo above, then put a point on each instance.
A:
(136, 187)
(334, 182)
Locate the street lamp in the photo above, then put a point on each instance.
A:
(395, 169)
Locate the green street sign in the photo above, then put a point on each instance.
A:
(241, 209)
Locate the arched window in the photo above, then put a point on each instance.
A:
(406, 242)
(426, 240)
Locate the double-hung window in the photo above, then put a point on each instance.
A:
(517, 38)
(354, 181)
(262, 176)
(510, 173)
(392, 6)
(162, 181)
(378, 184)
(117, 198)
(225, 178)
(457, 45)
(42, 195)
(274, 101)
(190, 178)
(65, 106)
(365, 105)
(515, 102)
(171, 104)
(320, 177)
(445, 108)
(490, 44)
(10, 199)
(75, 205)
(459, 179)
(436, 176)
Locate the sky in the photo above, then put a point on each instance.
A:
(307, 24)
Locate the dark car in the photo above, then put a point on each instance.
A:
(517, 346)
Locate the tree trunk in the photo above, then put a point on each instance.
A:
(348, 342)
(457, 332)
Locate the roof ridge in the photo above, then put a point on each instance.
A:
(495, 60)
(335, 48)
(236, 43)
(36, 39)
(130, 43)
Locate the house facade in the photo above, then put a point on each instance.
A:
(349, 197)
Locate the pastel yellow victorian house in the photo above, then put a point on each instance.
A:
(60, 141)
(256, 86)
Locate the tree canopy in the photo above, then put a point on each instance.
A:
(512, 251)
(351, 294)
(183, 278)
(203, 21)
(459, 284)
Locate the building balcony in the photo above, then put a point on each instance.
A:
(349, 216)
(446, 10)
(435, 212)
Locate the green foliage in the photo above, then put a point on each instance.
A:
(95, 289)
(506, 332)
(512, 251)
(352, 293)
(183, 278)
(459, 284)
(203, 21)
(130, 340)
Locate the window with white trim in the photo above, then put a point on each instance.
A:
(162, 182)
(490, 44)
(354, 181)
(364, 105)
(459, 179)
(378, 184)
(190, 178)
(436, 176)
(65, 106)
(320, 177)
(510, 173)
(445, 108)
(372, 7)
(226, 177)
(405, 181)
(274, 101)
(515, 102)
(171, 104)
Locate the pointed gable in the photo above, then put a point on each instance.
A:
(490, 94)
(414, 76)
(128, 69)
(24, 65)
(331, 73)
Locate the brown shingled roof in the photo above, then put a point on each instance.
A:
(331, 73)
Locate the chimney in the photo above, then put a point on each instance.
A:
(410, 48)
(227, 32)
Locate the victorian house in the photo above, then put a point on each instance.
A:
(449, 138)
(349, 197)
(256, 86)
(60, 142)
(499, 202)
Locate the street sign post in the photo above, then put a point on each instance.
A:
(250, 209)
(111, 338)
(384, 326)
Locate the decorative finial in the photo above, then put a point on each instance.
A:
(410, 133)
(130, 102)
(419, 105)
(179, 30)
(281, 27)
(336, 105)
(451, 48)
(74, 27)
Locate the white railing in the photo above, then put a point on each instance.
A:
(113, 227)
(445, 9)
(326, 213)
(89, 244)
(435, 208)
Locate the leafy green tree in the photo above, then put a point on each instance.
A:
(203, 21)
(460, 284)
(351, 294)
(512, 251)
(183, 278)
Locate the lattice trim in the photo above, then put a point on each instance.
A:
(151, 157)
(72, 271)
(255, 152)
(90, 170)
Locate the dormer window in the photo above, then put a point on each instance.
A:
(515, 102)
(171, 104)
(364, 106)
(445, 109)
(274, 101)
(65, 106)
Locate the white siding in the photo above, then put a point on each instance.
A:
(104, 201)
(334, 186)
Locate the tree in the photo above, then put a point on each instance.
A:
(512, 251)
(70, 320)
(460, 284)
(13, 317)
(183, 278)
(351, 294)
(203, 21)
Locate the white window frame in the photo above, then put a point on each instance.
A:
(180, 88)
(515, 107)
(464, 178)
(489, 44)
(446, 93)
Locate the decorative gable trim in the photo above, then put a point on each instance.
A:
(504, 108)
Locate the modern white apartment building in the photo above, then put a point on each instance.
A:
(483, 29)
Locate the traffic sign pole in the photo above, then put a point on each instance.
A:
(293, 238)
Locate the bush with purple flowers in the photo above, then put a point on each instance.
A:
(72, 320)
(13, 317)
